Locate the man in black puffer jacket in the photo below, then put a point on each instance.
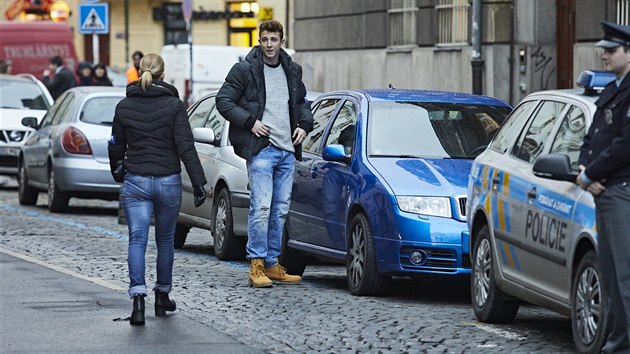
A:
(264, 99)
(150, 136)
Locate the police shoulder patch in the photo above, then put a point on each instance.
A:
(112, 139)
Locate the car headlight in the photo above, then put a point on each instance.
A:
(436, 206)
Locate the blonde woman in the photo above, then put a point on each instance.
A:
(150, 135)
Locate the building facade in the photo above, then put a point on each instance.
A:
(526, 45)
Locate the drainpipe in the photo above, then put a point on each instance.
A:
(477, 60)
(127, 34)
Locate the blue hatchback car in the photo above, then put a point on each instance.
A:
(382, 184)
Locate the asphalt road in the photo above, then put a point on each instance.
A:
(320, 315)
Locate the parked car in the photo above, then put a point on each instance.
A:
(382, 184)
(67, 154)
(225, 212)
(20, 96)
(533, 235)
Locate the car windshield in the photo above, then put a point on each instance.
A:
(100, 110)
(22, 95)
(433, 130)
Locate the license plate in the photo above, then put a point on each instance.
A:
(9, 151)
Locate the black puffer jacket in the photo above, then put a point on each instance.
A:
(241, 100)
(151, 133)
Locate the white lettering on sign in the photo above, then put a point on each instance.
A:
(26, 51)
(554, 204)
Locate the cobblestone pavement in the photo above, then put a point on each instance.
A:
(320, 315)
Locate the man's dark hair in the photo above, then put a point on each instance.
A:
(138, 54)
(56, 60)
(271, 26)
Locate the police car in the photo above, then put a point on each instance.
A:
(532, 232)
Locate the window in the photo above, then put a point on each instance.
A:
(216, 122)
(513, 127)
(174, 25)
(452, 22)
(47, 120)
(623, 12)
(343, 129)
(64, 110)
(530, 145)
(569, 138)
(100, 110)
(321, 115)
(198, 117)
(402, 19)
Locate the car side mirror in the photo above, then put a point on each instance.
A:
(335, 152)
(554, 166)
(30, 122)
(204, 135)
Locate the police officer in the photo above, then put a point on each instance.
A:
(605, 173)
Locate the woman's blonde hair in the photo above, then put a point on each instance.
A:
(151, 66)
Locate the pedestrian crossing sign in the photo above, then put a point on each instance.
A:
(94, 18)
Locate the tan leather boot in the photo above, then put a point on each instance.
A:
(279, 274)
(257, 277)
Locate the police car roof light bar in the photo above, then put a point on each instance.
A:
(594, 80)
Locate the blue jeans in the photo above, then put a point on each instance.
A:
(139, 196)
(270, 179)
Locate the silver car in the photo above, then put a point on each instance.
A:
(20, 96)
(67, 155)
(225, 211)
(532, 230)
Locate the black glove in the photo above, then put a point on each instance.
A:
(119, 172)
(200, 195)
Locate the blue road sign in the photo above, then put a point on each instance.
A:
(94, 18)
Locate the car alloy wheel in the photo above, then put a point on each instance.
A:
(588, 309)
(227, 246)
(363, 275)
(489, 302)
(27, 195)
(57, 200)
(482, 269)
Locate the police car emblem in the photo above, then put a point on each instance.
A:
(608, 114)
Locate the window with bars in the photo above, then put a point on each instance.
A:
(453, 22)
(623, 12)
(402, 20)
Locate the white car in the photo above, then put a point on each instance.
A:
(20, 96)
(532, 230)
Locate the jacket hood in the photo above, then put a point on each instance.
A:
(255, 56)
(428, 177)
(158, 88)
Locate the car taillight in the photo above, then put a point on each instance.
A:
(74, 142)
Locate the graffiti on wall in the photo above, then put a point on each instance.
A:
(544, 68)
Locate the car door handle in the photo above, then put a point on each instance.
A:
(531, 194)
(495, 182)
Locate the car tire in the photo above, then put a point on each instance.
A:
(292, 260)
(27, 195)
(57, 200)
(227, 246)
(181, 232)
(588, 306)
(363, 276)
(488, 301)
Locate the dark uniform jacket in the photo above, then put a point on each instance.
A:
(151, 134)
(241, 100)
(60, 83)
(606, 148)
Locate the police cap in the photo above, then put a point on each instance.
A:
(615, 35)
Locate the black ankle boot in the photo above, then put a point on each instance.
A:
(137, 314)
(163, 304)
